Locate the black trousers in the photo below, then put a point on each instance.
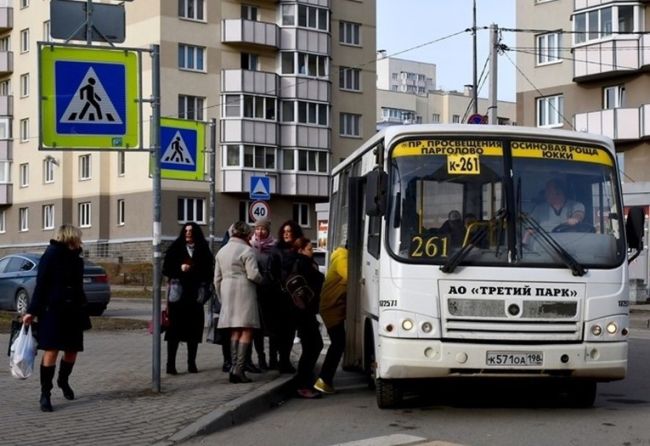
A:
(312, 344)
(334, 352)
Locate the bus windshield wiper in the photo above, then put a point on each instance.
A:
(550, 244)
(473, 241)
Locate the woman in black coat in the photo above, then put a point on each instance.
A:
(189, 261)
(59, 304)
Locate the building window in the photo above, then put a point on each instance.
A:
(244, 215)
(4, 88)
(120, 212)
(312, 161)
(550, 111)
(24, 40)
(3, 222)
(5, 128)
(48, 216)
(84, 214)
(24, 4)
(305, 64)
(548, 48)
(349, 33)
(23, 175)
(24, 85)
(349, 124)
(249, 61)
(190, 9)
(288, 159)
(232, 156)
(435, 118)
(455, 119)
(23, 219)
(259, 107)
(4, 43)
(349, 78)
(305, 112)
(604, 22)
(5, 171)
(259, 157)
(191, 209)
(249, 12)
(46, 31)
(48, 170)
(121, 164)
(613, 97)
(190, 107)
(312, 17)
(288, 15)
(191, 57)
(84, 167)
(24, 130)
(301, 214)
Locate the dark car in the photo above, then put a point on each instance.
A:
(18, 279)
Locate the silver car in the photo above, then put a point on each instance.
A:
(18, 279)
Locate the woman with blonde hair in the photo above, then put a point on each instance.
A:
(60, 305)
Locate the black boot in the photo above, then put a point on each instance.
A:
(227, 357)
(65, 368)
(262, 360)
(233, 352)
(47, 375)
(172, 348)
(239, 374)
(248, 364)
(192, 347)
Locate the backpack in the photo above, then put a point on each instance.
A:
(298, 288)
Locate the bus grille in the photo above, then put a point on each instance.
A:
(511, 320)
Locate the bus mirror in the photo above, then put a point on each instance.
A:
(634, 228)
(376, 181)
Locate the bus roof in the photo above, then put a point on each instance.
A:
(399, 131)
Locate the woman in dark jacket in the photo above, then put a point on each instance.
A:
(59, 304)
(189, 261)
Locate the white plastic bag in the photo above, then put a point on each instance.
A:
(23, 353)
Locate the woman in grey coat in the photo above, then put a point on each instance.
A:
(235, 276)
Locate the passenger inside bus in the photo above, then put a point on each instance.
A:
(453, 228)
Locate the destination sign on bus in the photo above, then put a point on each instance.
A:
(567, 152)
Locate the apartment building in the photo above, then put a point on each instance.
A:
(407, 94)
(583, 65)
(290, 85)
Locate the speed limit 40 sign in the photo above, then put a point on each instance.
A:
(259, 209)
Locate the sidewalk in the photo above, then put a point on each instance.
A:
(115, 405)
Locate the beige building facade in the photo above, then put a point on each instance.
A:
(584, 65)
(290, 86)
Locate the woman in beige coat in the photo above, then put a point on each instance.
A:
(235, 276)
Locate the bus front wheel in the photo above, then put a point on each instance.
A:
(388, 392)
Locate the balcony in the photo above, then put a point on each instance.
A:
(6, 150)
(6, 62)
(6, 19)
(249, 32)
(305, 88)
(307, 40)
(6, 193)
(6, 105)
(620, 124)
(239, 180)
(249, 131)
(246, 81)
(299, 183)
(610, 58)
(297, 135)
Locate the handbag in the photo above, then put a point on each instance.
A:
(164, 322)
(23, 353)
(174, 290)
(298, 288)
(205, 293)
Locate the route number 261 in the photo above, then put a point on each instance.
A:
(429, 247)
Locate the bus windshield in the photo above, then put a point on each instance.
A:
(449, 194)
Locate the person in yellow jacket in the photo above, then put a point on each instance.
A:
(332, 310)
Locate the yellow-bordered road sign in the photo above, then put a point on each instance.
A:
(89, 98)
(182, 149)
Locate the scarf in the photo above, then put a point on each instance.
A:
(263, 245)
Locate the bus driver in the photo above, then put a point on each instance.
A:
(557, 209)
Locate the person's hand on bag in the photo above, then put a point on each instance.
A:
(27, 319)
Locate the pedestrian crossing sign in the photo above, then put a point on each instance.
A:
(182, 149)
(90, 98)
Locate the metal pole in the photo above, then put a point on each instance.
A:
(213, 180)
(494, 41)
(475, 81)
(157, 256)
(89, 22)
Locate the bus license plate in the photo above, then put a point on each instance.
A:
(525, 359)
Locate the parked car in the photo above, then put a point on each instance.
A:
(18, 279)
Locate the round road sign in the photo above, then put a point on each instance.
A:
(477, 119)
(259, 209)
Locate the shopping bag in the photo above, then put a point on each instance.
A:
(23, 353)
(164, 322)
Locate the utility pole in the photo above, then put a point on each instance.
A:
(213, 191)
(475, 81)
(494, 43)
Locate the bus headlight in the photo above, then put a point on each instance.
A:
(611, 328)
(596, 330)
(426, 327)
(607, 329)
(407, 324)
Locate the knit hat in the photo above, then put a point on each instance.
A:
(263, 222)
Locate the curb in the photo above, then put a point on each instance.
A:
(237, 411)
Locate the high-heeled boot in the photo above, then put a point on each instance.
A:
(239, 373)
(233, 354)
(227, 357)
(47, 375)
(65, 368)
(192, 348)
(172, 348)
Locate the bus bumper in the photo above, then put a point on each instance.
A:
(419, 358)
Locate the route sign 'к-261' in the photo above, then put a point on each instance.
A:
(89, 98)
